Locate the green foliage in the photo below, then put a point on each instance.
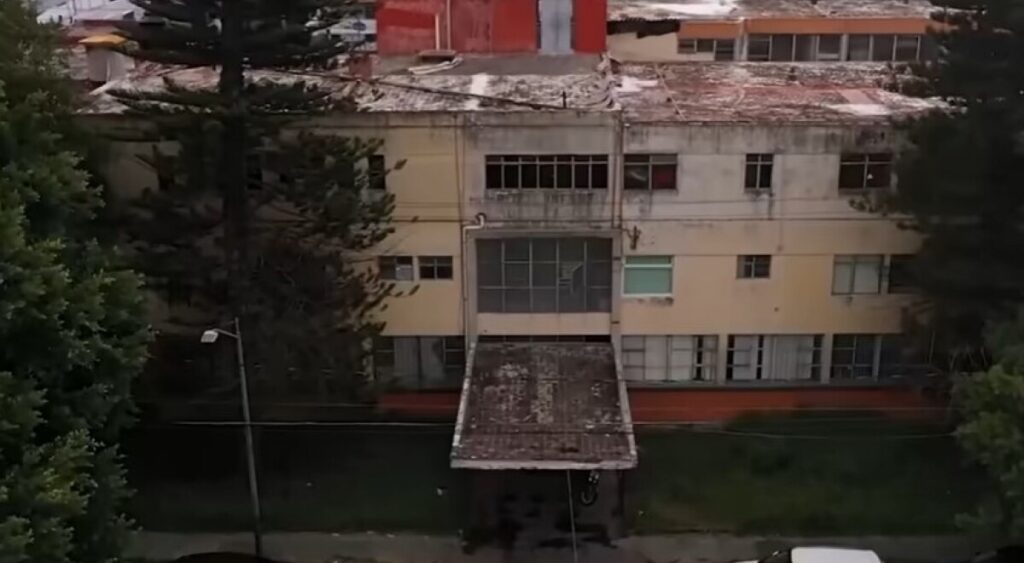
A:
(71, 334)
(259, 215)
(992, 431)
(960, 177)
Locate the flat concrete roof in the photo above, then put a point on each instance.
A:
(550, 406)
(727, 10)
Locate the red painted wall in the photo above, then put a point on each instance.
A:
(590, 25)
(707, 405)
(478, 26)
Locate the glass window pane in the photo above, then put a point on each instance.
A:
(570, 249)
(758, 47)
(599, 249)
(545, 274)
(546, 173)
(599, 299)
(864, 354)
(859, 48)
(517, 275)
(851, 175)
(663, 177)
(636, 177)
(804, 48)
(867, 275)
(599, 175)
(544, 250)
(648, 281)
(907, 47)
(599, 274)
(842, 277)
(581, 176)
(489, 274)
(493, 176)
(829, 47)
(490, 300)
(563, 175)
(782, 47)
(517, 249)
(517, 300)
(881, 47)
(544, 300)
(879, 175)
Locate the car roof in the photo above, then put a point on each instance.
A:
(833, 555)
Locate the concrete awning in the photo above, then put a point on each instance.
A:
(543, 406)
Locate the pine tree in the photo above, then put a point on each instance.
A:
(960, 178)
(71, 331)
(260, 217)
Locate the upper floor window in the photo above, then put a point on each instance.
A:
(754, 266)
(861, 171)
(669, 358)
(857, 274)
(757, 176)
(435, 267)
(647, 275)
(876, 357)
(901, 275)
(649, 172)
(562, 171)
(767, 357)
(396, 268)
(376, 172)
(883, 47)
(721, 49)
(544, 275)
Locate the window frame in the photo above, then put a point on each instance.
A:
(764, 38)
(754, 266)
(547, 171)
(395, 264)
(649, 163)
(435, 265)
(639, 266)
(760, 359)
(905, 283)
(762, 165)
(855, 261)
(703, 354)
(867, 163)
(376, 173)
(874, 343)
(450, 355)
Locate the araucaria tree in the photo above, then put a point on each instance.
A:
(960, 179)
(259, 215)
(72, 335)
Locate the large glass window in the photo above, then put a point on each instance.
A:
(561, 171)
(544, 275)
(873, 357)
(773, 357)
(857, 274)
(419, 362)
(647, 275)
(669, 358)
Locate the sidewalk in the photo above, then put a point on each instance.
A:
(312, 547)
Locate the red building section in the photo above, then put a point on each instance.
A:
(479, 26)
(709, 405)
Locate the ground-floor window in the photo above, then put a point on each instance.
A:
(669, 358)
(419, 362)
(776, 357)
(873, 357)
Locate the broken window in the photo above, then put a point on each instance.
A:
(758, 174)
(753, 266)
(647, 275)
(544, 275)
(669, 358)
(435, 267)
(649, 172)
(861, 171)
(563, 171)
(901, 276)
(419, 362)
(773, 358)
(721, 49)
(396, 268)
(854, 274)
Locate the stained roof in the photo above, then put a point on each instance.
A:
(806, 93)
(660, 10)
(543, 406)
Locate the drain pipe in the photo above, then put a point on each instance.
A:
(481, 223)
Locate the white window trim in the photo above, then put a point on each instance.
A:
(671, 269)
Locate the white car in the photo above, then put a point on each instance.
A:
(820, 555)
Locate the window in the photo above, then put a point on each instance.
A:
(725, 49)
(563, 171)
(754, 266)
(759, 47)
(875, 357)
(857, 274)
(782, 48)
(722, 49)
(396, 268)
(858, 48)
(435, 267)
(419, 362)
(901, 276)
(686, 46)
(882, 47)
(758, 174)
(865, 171)
(649, 172)
(773, 358)
(830, 47)
(543, 338)
(908, 47)
(669, 358)
(647, 275)
(853, 356)
(544, 275)
(376, 172)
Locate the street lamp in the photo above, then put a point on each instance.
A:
(209, 337)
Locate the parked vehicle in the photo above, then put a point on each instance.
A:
(820, 555)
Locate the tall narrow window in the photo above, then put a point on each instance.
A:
(376, 172)
(757, 176)
(901, 276)
(858, 48)
(647, 275)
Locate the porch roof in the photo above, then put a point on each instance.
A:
(543, 406)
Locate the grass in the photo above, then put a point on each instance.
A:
(847, 474)
(193, 479)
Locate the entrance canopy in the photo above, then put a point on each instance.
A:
(543, 406)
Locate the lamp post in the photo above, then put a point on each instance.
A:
(209, 337)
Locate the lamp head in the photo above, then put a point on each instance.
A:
(209, 336)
